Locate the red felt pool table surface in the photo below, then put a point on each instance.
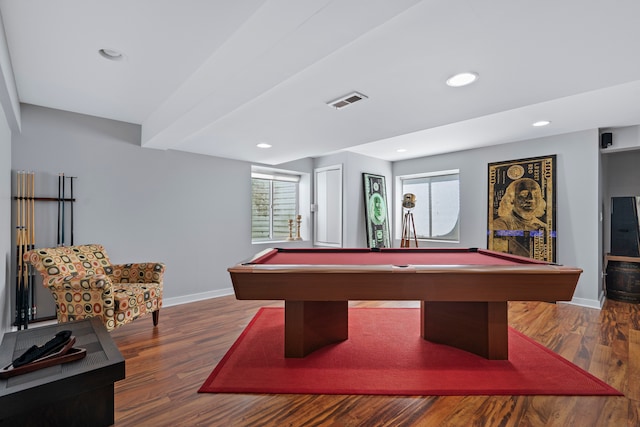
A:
(463, 292)
(389, 256)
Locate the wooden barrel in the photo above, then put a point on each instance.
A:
(623, 279)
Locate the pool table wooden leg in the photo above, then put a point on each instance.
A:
(478, 327)
(310, 325)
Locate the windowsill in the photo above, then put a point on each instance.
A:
(271, 242)
(423, 240)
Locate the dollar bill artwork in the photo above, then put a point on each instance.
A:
(522, 208)
(376, 212)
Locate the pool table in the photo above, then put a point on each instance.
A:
(463, 292)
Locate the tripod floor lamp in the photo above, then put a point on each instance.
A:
(408, 224)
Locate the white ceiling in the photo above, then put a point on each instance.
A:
(217, 77)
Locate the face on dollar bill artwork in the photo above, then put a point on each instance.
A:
(522, 214)
(376, 212)
(378, 208)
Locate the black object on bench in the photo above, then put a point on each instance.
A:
(34, 352)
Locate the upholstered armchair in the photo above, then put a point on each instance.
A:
(85, 284)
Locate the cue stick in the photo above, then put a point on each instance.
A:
(63, 203)
(59, 188)
(22, 245)
(19, 286)
(27, 240)
(25, 245)
(18, 260)
(71, 206)
(32, 244)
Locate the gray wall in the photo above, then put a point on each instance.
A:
(6, 227)
(190, 211)
(579, 198)
(578, 202)
(623, 173)
(9, 122)
(354, 233)
(623, 179)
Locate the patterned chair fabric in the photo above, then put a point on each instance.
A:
(85, 284)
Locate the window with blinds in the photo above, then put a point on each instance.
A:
(274, 201)
(437, 211)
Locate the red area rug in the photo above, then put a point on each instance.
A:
(385, 355)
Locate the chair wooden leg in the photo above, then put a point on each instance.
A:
(155, 315)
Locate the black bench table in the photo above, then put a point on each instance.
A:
(74, 393)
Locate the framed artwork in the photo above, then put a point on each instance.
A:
(522, 208)
(376, 212)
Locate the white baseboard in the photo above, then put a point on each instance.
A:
(168, 302)
(591, 303)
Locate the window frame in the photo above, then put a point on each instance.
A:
(271, 176)
(400, 192)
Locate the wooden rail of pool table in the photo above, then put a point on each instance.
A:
(464, 306)
(381, 282)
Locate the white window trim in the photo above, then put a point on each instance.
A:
(303, 208)
(398, 202)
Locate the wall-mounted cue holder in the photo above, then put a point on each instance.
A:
(25, 199)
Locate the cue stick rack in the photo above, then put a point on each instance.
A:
(25, 198)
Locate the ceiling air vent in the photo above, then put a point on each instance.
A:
(346, 100)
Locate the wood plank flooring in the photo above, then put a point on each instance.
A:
(166, 365)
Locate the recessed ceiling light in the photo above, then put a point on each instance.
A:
(111, 54)
(462, 79)
(263, 145)
(401, 150)
(541, 123)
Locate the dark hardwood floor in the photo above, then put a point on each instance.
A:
(166, 365)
